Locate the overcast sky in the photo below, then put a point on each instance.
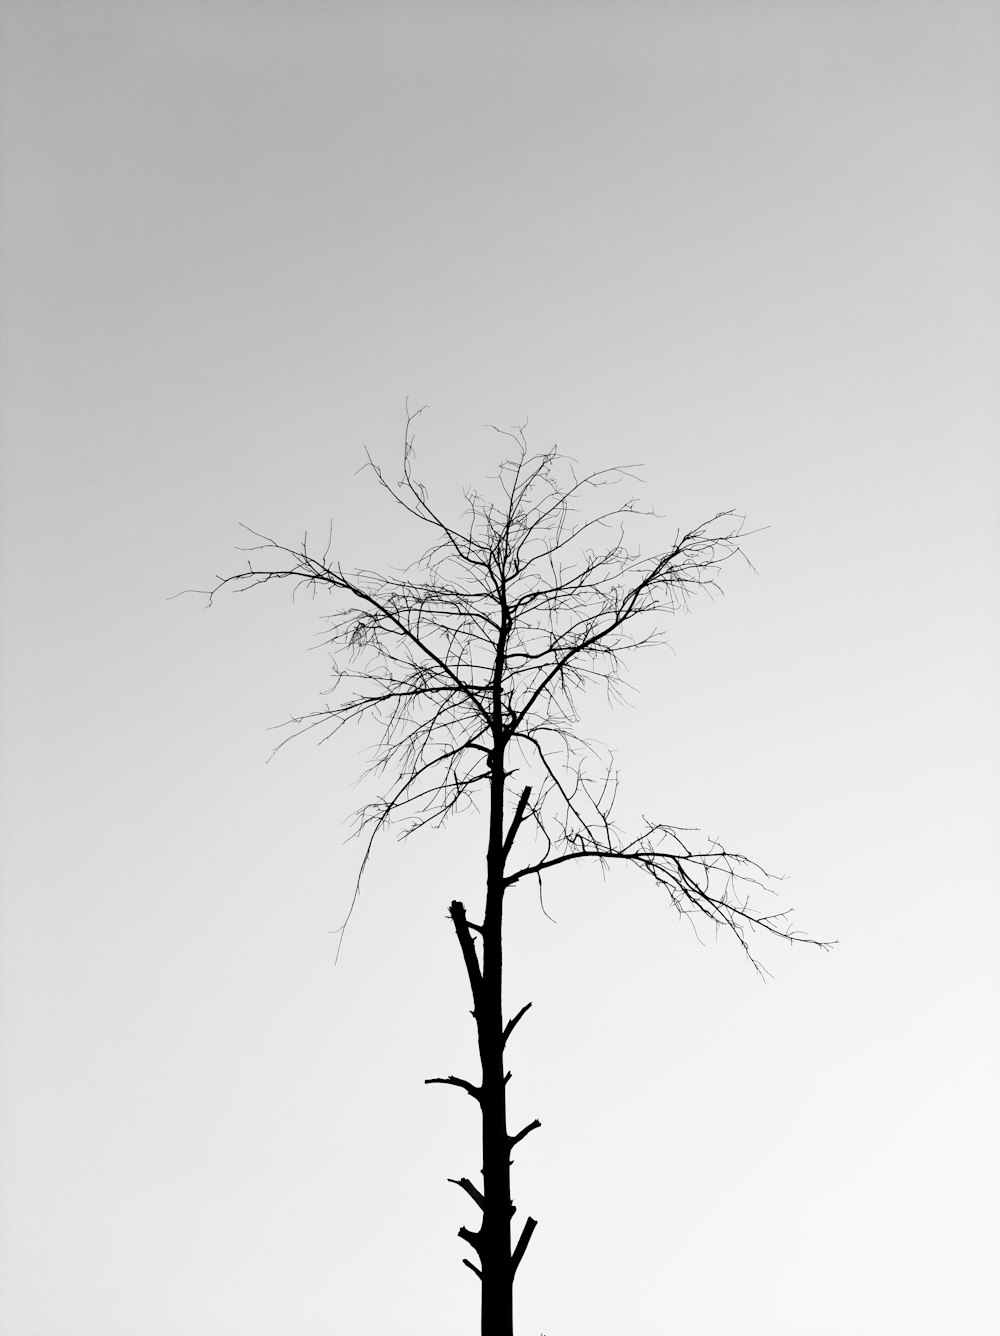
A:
(751, 246)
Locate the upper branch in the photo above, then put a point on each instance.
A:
(603, 603)
(392, 606)
(711, 882)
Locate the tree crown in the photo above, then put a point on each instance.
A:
(477, 654)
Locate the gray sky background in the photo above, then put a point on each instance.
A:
(751, 246)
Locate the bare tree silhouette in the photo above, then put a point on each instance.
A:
(471, 662)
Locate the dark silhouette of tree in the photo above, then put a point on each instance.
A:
(471, 662)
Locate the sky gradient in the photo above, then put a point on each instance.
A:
(750, 247)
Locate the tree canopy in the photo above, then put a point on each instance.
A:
(483, 648)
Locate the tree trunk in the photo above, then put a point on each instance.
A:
(492, 1241)
(498, 1276)
(497, 1263)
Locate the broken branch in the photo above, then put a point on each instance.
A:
(515, 824)
(511, 1023)
(473, 1238)
(523, 1133)
(473, 1191)
(522, 1243)
(457, 912)
(470, 1089)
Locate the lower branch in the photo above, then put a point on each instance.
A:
(473, 1192)
(472, 967)
(522, 1243)
(511, 1023)
(475, 1091)
(473, 1238)
(523, 1133)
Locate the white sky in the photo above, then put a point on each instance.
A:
(750, 245)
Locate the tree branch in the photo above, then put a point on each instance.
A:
(473, 1191)
(475, 1091)
(688, 877)
(516, 822)
(457, 912)
(473, 1237)
(522, 1244)
(523, 1133)
(313, 572)
(511, 1023)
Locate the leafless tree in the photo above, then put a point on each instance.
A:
(472, 662)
